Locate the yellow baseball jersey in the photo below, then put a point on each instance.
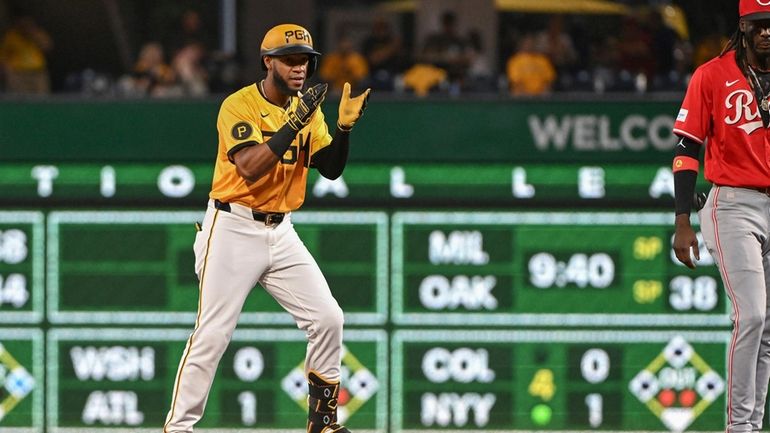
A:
(530, 73)
(247, 118)
(21, 53)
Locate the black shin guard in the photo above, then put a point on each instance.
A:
(322, 406)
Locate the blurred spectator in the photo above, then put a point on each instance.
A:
(383, 50)
(508, 45)
(635, 60)
(604, 64)
(344, 64)
(479, 76)
(201, 57)
(447, 50)
(421, 78)
(151, 75)
(581, 41)
(683, 57)
(89, 82)
(556, 43)
(22, 52)
(190, 71)
(709, 47)
(190, 31)
(224, 73)
(664, 42)
(530, 72)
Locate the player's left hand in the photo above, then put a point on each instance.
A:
(351, 109)
(685, 241)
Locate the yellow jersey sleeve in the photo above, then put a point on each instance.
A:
(237, 125)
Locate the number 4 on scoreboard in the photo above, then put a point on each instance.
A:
(13, 290)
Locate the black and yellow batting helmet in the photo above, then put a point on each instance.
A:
(285, 39)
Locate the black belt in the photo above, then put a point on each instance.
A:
(270, 219)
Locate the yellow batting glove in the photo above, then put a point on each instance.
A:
(351, 109)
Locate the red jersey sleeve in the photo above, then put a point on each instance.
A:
(692, 121)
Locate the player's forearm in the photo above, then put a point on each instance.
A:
(684, 191)
(254, 162)
(330, 161)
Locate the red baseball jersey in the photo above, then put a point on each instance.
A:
(721, 111)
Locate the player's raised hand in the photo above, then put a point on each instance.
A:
(308, 103)
(351, 109)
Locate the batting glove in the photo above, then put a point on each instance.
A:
(307, 105)
(351, 109)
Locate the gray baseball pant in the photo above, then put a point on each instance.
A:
(735, 223)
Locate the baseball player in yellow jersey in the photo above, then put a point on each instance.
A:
(270, 134)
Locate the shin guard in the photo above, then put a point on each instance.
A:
(322, 406)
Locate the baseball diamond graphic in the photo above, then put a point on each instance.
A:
(678, 385)
(15, 380)
(358, 385)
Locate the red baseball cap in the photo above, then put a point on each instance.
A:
(754, 9)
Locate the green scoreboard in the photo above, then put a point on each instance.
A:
(456, 320)
(557, 380)
(547, 269)
(525, 283)
(107, 378)
(516, 277)
(136, 267)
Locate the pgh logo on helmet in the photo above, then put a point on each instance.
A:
(298, 34)
(285, 39)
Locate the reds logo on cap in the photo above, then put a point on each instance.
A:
(754, 9)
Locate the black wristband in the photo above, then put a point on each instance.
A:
(684, 189)
(281, 140)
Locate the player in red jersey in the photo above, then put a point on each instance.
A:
(726, 110)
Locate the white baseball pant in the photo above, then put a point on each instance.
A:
(232, 253)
